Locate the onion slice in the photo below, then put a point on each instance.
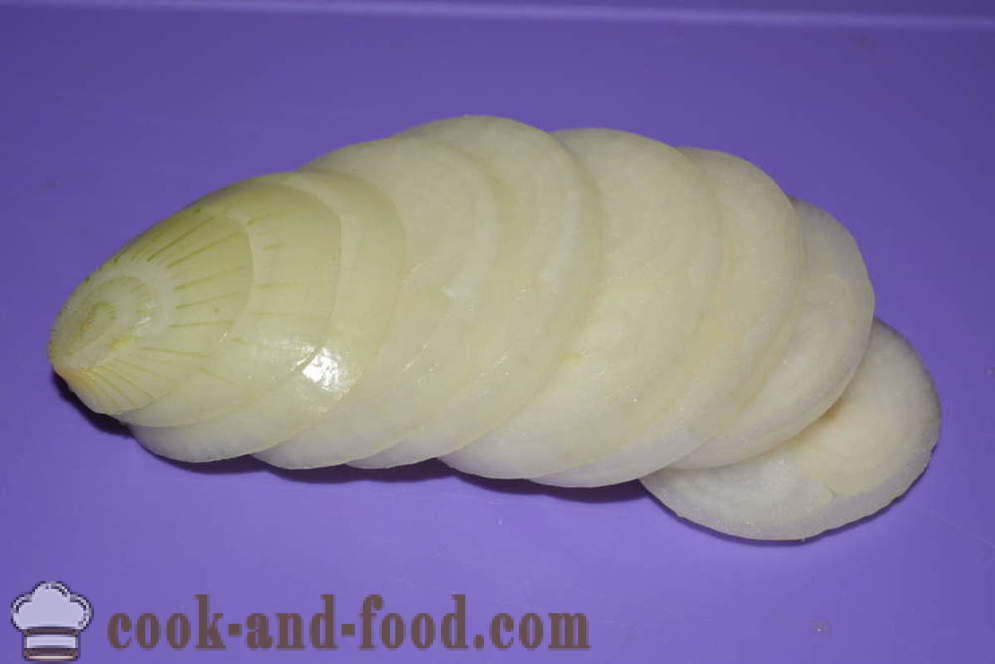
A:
(549, 264)
(364, 302)
(294, 241)
(450, 215)
(661, 231)
(827, 341)
(853, 461)
(762, 267)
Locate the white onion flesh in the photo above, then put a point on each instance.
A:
(451, 218)
(762, 266)
(295, 263)
(580, 309)
(828, 339)
(364, 301)
(662, 256)
(853, 461)
(552, 256)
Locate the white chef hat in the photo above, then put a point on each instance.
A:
(51, 617)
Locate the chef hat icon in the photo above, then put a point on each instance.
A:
(50, 618)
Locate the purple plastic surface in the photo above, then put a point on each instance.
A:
(111, 119)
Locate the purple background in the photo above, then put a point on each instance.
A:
(110, 119)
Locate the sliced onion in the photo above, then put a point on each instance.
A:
(364, 303)
(765, 257)
(660, 227)
(451, 217)
(550, 257)
(853, 461)
(828, 339)
(294, 241)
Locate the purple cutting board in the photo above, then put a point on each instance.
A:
(112, 118)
